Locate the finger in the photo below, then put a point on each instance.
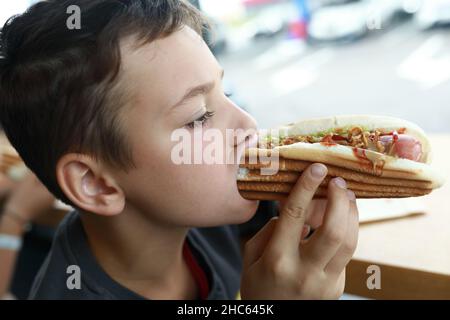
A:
(315, 213)
(347, 249)
(326, 240)
(288, 230)
(308, 226)
(255, 246)
(340, 285)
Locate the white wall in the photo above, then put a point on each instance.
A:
(9, 8)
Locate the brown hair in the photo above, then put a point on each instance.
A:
(59, 88)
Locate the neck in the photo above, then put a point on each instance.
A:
(143, 255)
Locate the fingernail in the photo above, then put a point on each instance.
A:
(318, 170)
(351, 195)
(340, 182)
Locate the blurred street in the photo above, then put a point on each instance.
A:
(402, 71)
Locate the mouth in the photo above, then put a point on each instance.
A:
(248, 201)
(249, 142)
(242, 173)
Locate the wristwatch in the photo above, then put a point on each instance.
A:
(9, 242)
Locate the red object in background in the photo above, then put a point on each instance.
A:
(298, 29)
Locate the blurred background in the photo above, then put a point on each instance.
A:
(290, 59)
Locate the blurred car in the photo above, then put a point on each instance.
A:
(258, 2)
(270, 20)
(266, 25)
(314, 4)
(217, 38)
(353, 20)
(433, 13)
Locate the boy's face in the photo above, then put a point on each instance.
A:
(159, 75)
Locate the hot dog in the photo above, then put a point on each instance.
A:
(380, 157)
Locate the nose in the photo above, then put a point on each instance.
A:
(245, 129)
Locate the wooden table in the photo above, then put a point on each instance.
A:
(413, 253)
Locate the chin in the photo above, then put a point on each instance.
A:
(245, 211)
(238, 213)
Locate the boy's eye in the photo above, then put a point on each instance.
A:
(228, 94)
(201, 120)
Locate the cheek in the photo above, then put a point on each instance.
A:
(212, 187)
(193, 195)
(212, 192)
(188, 195)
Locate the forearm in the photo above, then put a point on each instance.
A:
(8, 227)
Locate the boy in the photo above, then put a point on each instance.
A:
(92, 110)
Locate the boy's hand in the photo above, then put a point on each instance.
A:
(29, 198)
(278, 264)
(6, 185)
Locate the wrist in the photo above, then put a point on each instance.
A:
(10, 242)
(10, 227)
(12, 222)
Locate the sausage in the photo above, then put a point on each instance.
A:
(403, 146)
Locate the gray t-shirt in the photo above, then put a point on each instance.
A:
(216, 250)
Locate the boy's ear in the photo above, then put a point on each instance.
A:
(88, 185)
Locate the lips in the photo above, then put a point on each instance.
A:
(249, 142)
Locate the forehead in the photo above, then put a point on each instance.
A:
(165, 68)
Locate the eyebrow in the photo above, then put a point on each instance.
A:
(198, 90)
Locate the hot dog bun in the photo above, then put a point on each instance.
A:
(369, 122)
(369, 174)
